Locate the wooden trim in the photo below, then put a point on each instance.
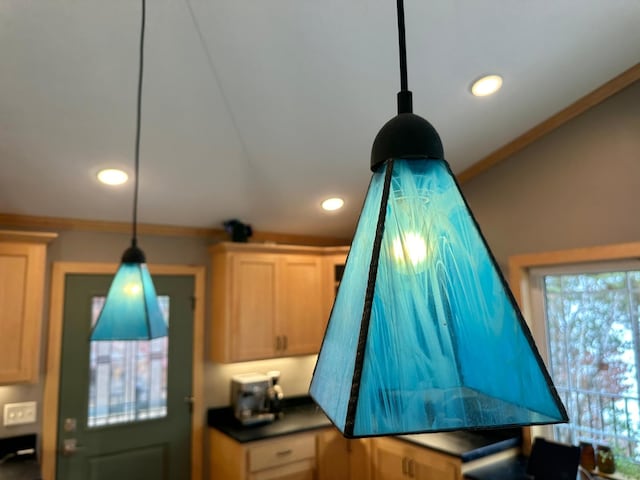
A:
(30, 237)
(252, 247)
(590, 100)
(74, 224)
(214, 234)
(54, 345)
(520, 266)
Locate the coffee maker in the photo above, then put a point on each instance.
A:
(250, 398)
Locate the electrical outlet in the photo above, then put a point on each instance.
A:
(19, 413)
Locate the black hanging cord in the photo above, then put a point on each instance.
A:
(403, 47)
(139, 111)
(405, 104)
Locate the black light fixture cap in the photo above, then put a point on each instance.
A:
(406, 136)
(133, 254)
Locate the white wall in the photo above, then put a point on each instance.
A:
(295, 376)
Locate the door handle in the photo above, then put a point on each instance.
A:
(189, 401)
(70, 447)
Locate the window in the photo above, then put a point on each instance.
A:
(589, 335)
(128, 380)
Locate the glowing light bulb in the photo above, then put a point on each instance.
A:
(132, 289)
(411, 247)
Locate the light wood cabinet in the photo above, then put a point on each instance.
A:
(300, 319)
(398, 460)
(333, 262)
(340, 458)
(22, 271)
(268, 301)
(291, 457)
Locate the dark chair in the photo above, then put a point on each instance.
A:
(553, 461)
(548, 461)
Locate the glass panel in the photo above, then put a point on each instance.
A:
(128, 379)
(446, 348)
(592, 333)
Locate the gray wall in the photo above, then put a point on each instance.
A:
(577, 186)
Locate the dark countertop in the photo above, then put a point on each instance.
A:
(507, 469)
(468, 445)
(300, 414)
(26, 470)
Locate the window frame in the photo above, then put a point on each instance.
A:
(522, 269)
(538, 300)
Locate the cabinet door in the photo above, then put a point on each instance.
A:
(299, 318)
(333, 456)
(340, 458)
(390, 459)
(253, 306)
(21, 290)
(359, 458)
(398, 460)
(427, 465)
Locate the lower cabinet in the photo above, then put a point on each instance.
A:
(340, 458)
(398, 460)
(291, 457)
(326, 455)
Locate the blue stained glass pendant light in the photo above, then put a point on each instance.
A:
(131, 310)
(425, 335)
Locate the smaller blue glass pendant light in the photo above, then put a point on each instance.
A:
(131, 310)
(424, 334)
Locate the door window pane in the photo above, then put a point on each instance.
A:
(128, 379)
(592, 324)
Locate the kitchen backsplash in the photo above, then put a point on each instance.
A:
(295, 376)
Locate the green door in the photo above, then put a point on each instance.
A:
(125, 406)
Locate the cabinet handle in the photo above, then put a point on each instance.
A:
(282, 453)
(411, 469)
(285, 342)
(404, 465)
(277, 342)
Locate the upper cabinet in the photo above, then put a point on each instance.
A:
(333, 262)
(22, 272)
(268, 301)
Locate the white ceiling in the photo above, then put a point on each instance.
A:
(258, 109)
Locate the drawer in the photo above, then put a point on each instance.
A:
(304, 470)
(280, 452)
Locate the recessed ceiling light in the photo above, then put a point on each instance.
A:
(112, 176)
(486, 85)
(331, 204)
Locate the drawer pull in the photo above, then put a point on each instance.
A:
(410, 469)
(282, 453)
